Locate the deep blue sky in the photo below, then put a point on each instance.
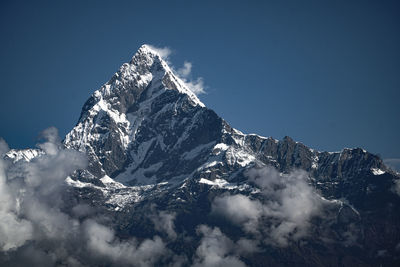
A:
(326, 73)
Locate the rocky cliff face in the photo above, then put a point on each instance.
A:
(152, 144)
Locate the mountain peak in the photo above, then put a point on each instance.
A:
(147, 52)
(147, 71)
(150, 62)
(141, 92)
(148, 49)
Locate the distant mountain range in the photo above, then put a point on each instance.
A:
(165, 181)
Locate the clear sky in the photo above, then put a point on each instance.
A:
(326, 73)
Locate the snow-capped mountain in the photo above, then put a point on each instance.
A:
(153, 145)
(146, 127)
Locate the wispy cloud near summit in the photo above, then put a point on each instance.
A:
(196, 85)
(164, 52)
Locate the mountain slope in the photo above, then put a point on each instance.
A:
(145, 127)
(160, 163)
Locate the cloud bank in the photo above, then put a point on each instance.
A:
(31, 195)
(163, 222)
(288, 205)
(215, 249)
(34, 229)
(102, 241)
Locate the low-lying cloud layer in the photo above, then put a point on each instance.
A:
(34, 229)
(289, 204)
(31, 195)
(215, 249)
(103, 242)
(38, 227)
(164, 222)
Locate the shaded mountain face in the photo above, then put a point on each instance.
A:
(161, 163)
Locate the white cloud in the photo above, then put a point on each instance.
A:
(164, 222)
(3, 147)
(196, 86)
(396, 187)
(185, 71)
(51, 146)
(30, 195)
(288, 206)
(102, 241)
(215, 249)
(240, 209)
(37, 231)
(393, 163)
(14, 232)
(289, 199)
(247, 246)
(164, 52)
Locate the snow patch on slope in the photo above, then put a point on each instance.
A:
(24, 154)
(376, 171)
